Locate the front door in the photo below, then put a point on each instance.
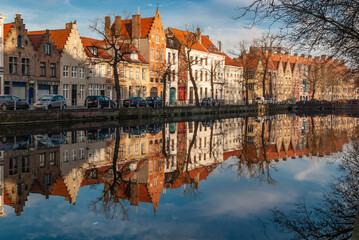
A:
(191, 95)
(172, 96)
(31, 95)
(74, 95)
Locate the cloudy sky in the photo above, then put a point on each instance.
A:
(214, 16)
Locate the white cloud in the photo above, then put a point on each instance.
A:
(246, 202)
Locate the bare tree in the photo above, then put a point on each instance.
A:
(314, 24)
(187, 43)
(249, 59)
(266, 44)
(115, 44)
(335, 216)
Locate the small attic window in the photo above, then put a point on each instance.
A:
(19, 41)
(93, 50)
(134, 56)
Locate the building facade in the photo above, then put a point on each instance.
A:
(19, 61)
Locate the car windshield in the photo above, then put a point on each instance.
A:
(131, 98)
(15, 98)
(45, 98)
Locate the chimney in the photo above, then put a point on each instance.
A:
(303, 55)
(199, 35)
(107, 26)
(70, 25)
(117, 25)
(220, 46)
(186, 27)
(136, 26)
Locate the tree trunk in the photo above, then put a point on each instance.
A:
(117, 80)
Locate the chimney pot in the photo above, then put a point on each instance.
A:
(136, 26)
(117, 25)
(220, 46)
(107, 26)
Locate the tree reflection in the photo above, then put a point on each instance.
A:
(109, 203)
(335, 216)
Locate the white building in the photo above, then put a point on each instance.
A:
(172, 76)
(2, 17)
(233, 74)
(207, 63)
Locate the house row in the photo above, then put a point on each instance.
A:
(61, 61)
(177, 65)
(279, 75)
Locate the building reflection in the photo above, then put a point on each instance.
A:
(140, 163)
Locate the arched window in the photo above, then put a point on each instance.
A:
(19, 41)
(153, 92)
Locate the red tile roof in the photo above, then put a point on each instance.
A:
(7, 29)
(60, 189)
(36, 40)
(126, 49)
(186, 38)
(126, 27)
(59, 37)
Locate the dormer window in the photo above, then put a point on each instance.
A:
(19, 41)
(134, 56)
(93, 50)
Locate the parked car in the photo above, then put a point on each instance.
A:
(302, 102)
(313, 100)
(208, 102)
(135, 102)
(154, 101)
(260, 100)
(135, 130)
(51, 101)
(268, 101)
(8, 102)
(51, 140)
(99, 102)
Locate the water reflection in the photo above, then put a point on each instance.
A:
(130, 165)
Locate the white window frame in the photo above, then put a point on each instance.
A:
(82, 91)
(82, 72)
(65, 90)
(74, 72)
(65, 71)
(65, 156)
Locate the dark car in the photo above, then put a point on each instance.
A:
(313, 100)
(135, 130)
(154, 101)
(153, 129)
(51, 101)
(99, 134)
(208, 102)
(99, 102)
(12, 102)
(134, 102)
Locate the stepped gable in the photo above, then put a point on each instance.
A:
(59, 36)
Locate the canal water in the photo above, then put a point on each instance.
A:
(275, 177)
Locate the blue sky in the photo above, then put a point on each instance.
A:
(214, 16)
